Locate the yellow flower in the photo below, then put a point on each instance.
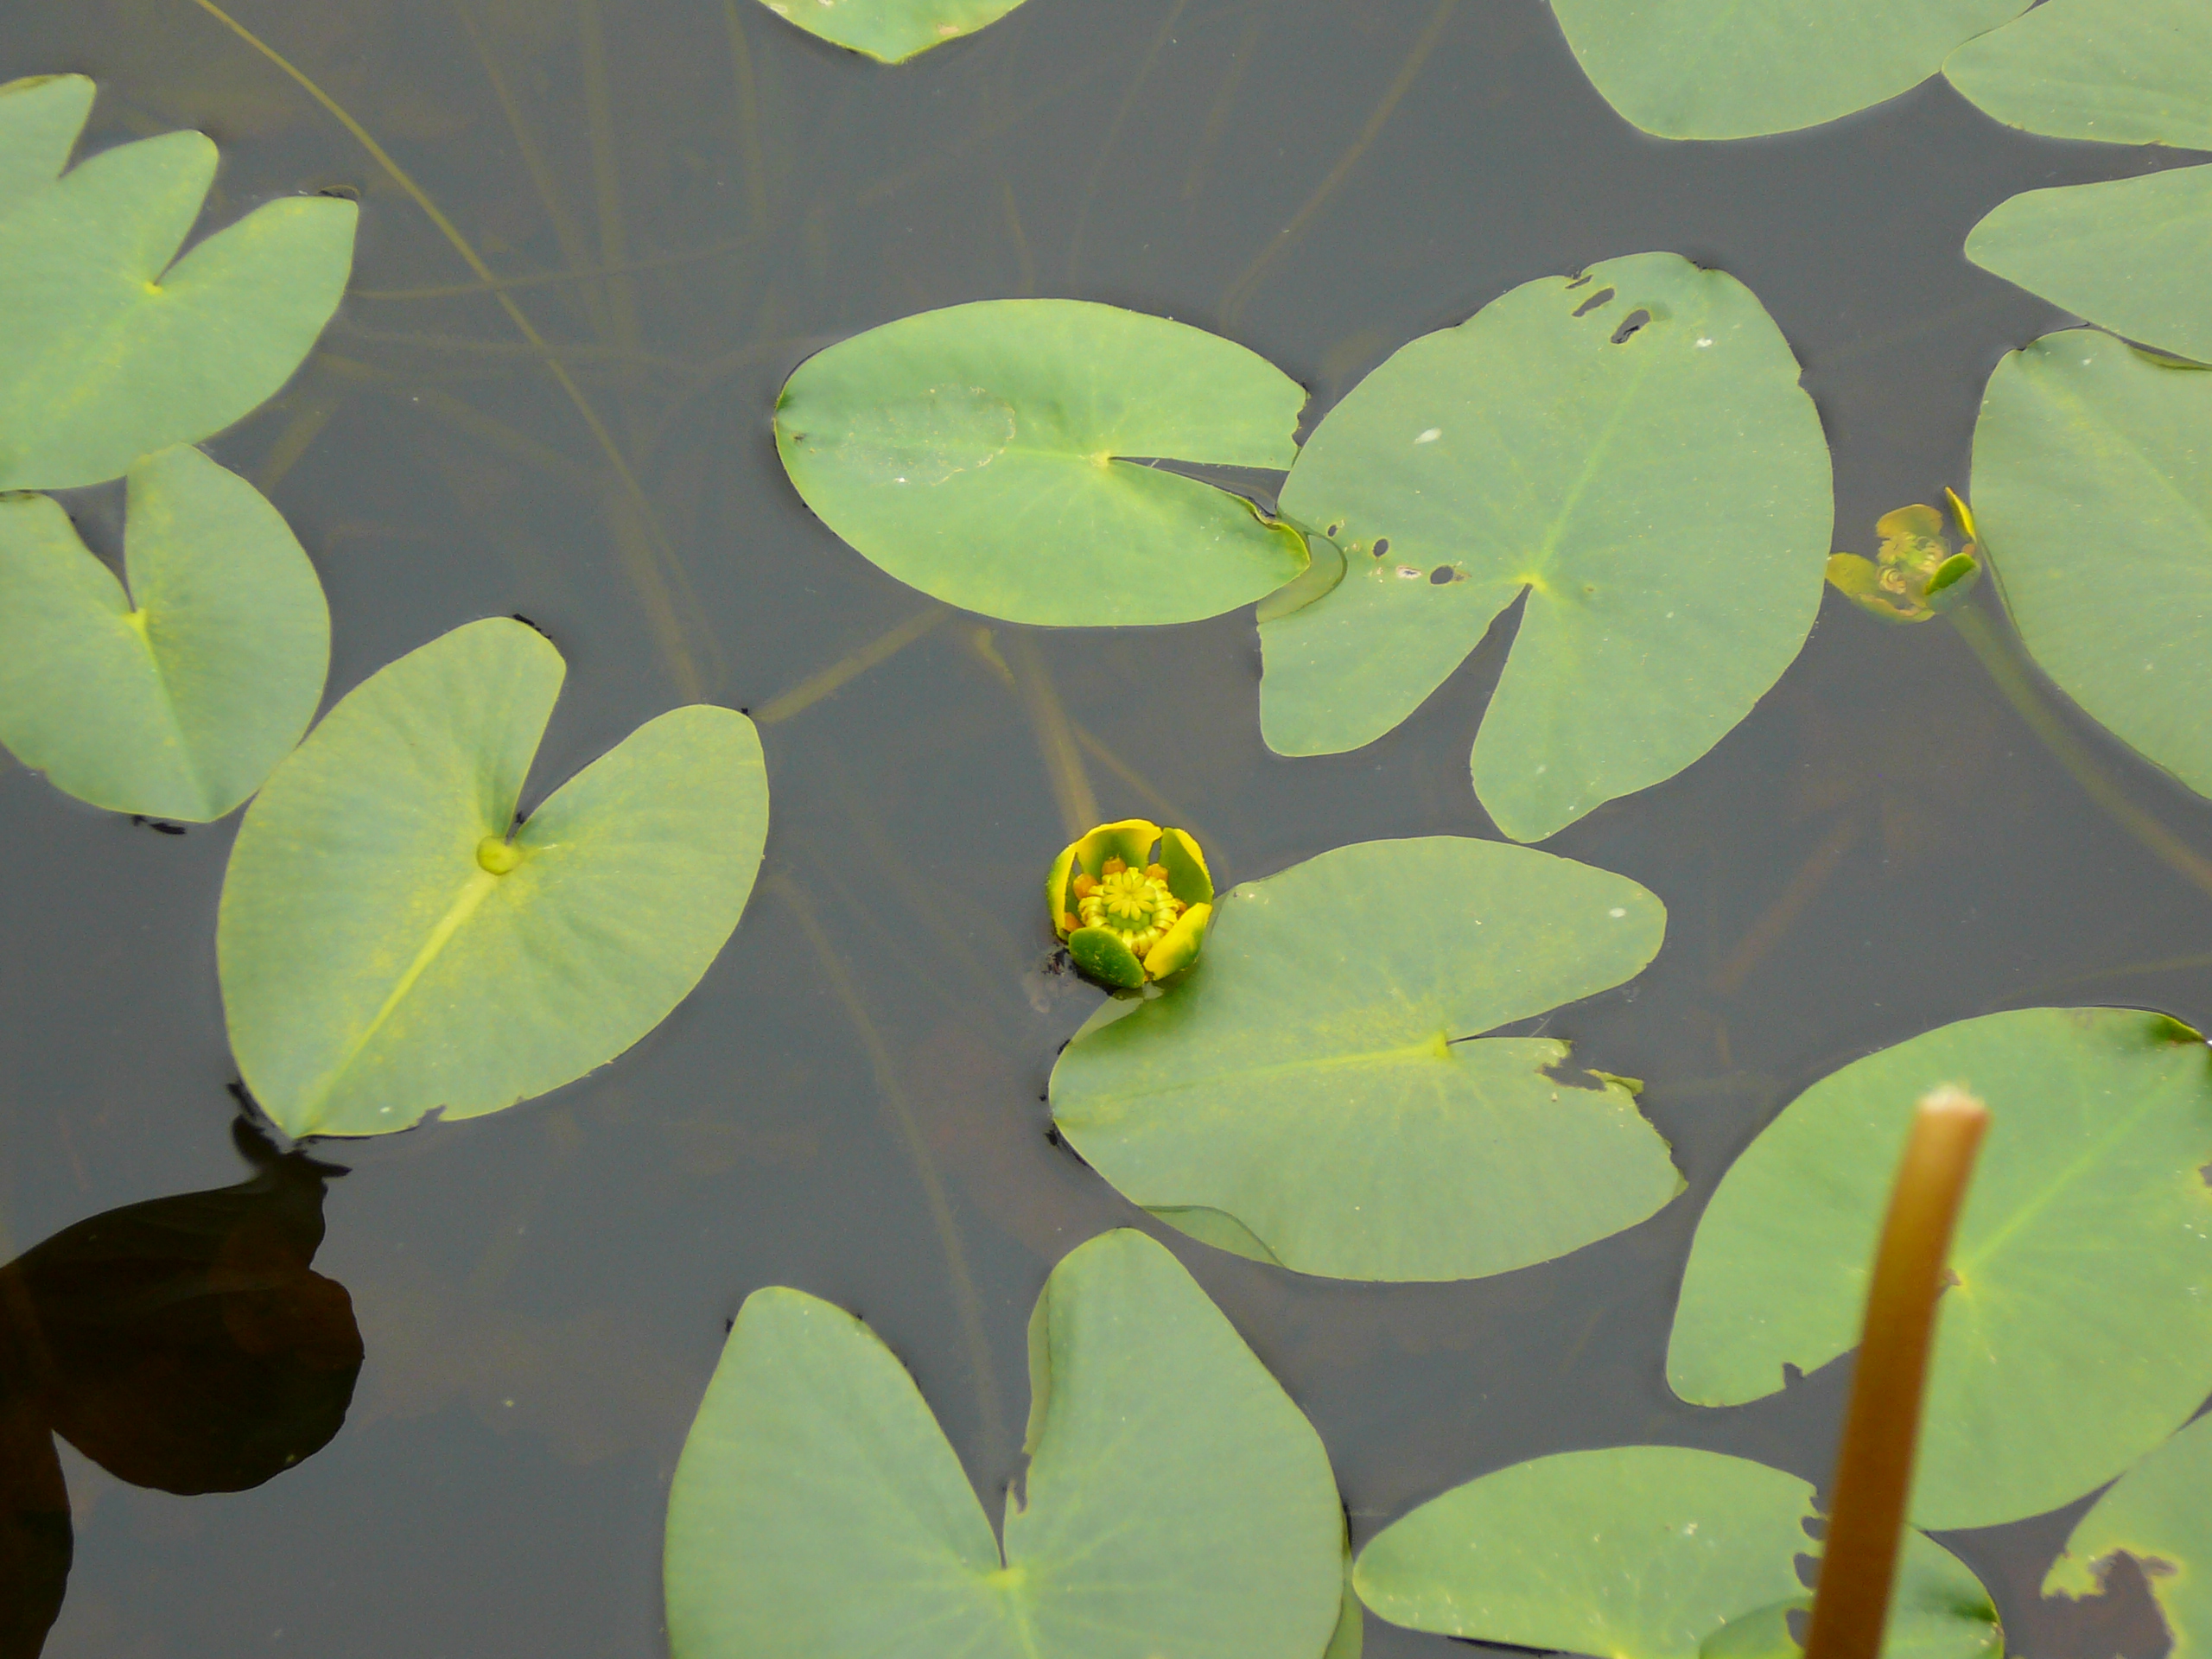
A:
(1915, 575)
(1126, 916)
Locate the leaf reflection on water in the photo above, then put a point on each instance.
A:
(182, 1344)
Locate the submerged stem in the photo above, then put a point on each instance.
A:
(1873, 1474)
(2000, 658)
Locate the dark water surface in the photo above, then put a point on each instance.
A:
(697, 195)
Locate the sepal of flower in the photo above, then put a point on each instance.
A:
(1131, 901)
(1915, 575)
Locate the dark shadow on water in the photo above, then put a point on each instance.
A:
(183, 1344)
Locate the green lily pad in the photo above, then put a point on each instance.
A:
(2077, 1334)
(110, 351)
(890, 31)
(175, 706)
(1305, 1094)
(1736, 68)
(2129, 254)
(387, 950)
(991, 455)
(1644, 1551)
(2093, 492)
(1630, 449)
(2123, 72)
(1175, 1501)
(2157, 1513)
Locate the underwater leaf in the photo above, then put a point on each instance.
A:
(2158, 1513)
(1736, 68)
(991, 455)
(2130, 255)
(1630, 448)
(2093, 492)
(1303, 1094)
(387, 950)
(1175, 1501)
(2077, 1333)
(178, 708)
(110, 351)
(1644, 1551)
(890, 31)
(2124, 72)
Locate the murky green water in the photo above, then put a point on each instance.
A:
(694, 196)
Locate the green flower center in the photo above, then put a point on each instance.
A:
(1134, 904)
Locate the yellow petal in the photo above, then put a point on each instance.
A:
(1057, 903)
(1964, 514)
(1130, 841)
(1187, 877)
(1180, 947)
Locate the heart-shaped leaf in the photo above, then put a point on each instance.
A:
(2157, 1513)
(1305, 1094)
(2077, 1333)
(1631, 449)
(175, 706)
(2092, 494)
(387, 949)
(1175, 1501)
(1736, 68)
(1644, 1551)
(992, 457)
(110, 351)
(890, 31)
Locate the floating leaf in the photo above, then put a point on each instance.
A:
(1644, 1551)
(387, 949)
(2129, 254)
(890, 31)
(2093, 489)
(1303, 1094)
(2157, 1513)
(1631, 448)
(1176, 1500)
(2077, 1333)
(2124, 72)
(178, 708)
(110, 351)
(992, 455)
(1736, 68)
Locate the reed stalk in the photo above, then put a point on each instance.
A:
(1873, 1477)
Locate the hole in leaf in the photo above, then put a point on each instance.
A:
(1442, 573)
(1595, 300)
(1630, 324)
(1381, 546)
(1578, 282)
(1331, 531)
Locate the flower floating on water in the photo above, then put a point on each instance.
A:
(1130, 900)
(1915, 575)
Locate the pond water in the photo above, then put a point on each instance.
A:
(694, 197)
